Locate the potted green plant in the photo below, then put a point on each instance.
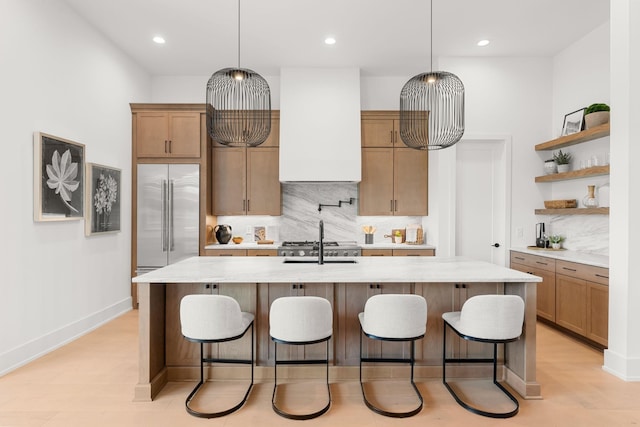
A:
(556, 241)
(562, 160)
(595, 115)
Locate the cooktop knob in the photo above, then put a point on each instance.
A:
(301, 253)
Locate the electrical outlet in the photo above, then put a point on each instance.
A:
(519, 233)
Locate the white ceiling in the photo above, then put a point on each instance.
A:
(381, 37)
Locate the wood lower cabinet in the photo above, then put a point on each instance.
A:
(183, 353)
(398, 252)
(167, 134)
(350, 301)
(571, 295)
(266, 295)
(546, 290)
(225, 252)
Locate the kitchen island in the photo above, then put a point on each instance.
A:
(256, 281)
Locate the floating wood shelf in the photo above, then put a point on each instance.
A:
(573, 211)
(581, 173)
(575, 138)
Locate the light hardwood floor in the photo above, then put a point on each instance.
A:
(90, 382)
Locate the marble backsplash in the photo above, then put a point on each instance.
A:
(300, 216)
(583, 233)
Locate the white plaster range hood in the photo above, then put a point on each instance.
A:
(320, 125)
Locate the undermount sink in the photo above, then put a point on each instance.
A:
(315, 261)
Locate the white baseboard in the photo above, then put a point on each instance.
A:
(38, 347)
(622, 367)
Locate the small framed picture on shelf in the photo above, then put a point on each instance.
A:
(573, 122)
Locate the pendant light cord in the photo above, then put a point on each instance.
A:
(238, 34)
(431, 36)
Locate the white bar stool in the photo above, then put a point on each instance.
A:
(495, 319)
(393, 317)
(300, 320)
(214, 319)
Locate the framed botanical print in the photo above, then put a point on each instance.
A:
(102, 199)
(58, 178)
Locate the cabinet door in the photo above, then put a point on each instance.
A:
(246, 295)
(273, 140)
(378, 132)
(571, 303)
(376, 186)
(545, 290)
(229, 181)
(410, 170)
(263, 183)
(271, 292)
(178, 350)
(598, 313)
(184, 135)
(152, 138)
(440, 300)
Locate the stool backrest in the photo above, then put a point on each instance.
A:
(497, 317)
(395, 316)
(210, 317)
(300, 319)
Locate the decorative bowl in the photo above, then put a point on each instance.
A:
(237, 239)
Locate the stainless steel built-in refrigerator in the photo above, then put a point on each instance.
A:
(168, 214)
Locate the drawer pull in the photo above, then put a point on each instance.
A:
(520, 258)
(543, 263)
(569, 269)
(600, 275)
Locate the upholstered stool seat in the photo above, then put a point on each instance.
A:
(300, 320)
(214, 319)
(393, 317)
(495, 319)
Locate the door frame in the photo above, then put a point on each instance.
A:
(447, 174)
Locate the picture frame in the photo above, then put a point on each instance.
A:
(58, 178)
(573, 122)
(103, 199)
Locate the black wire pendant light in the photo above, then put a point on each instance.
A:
(238, 105)
(432, 108)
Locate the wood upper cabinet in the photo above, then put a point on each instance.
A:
(167, 134)
(379, 131)
(394, 177)
(245, 181)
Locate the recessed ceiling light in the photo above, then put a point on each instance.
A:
(330, 40)
(159, 39)
(483, 42)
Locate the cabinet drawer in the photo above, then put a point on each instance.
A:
(262, 252)
(586, 272)
(414, 252)
(377, 252)
(543, 263)
(225, 252)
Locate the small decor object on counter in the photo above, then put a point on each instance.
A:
(223, 233)
(414, 234)
(550, 167)
(397, 237)
(596, 115)
(259, 233)
(368, 233)
(556, 241)
(237, 239)
(590, 200)
(560, 204)
(562, 160)
(573, 122)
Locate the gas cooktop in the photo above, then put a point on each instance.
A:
(310, 248)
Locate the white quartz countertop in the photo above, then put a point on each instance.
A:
(565, 255)
(366, 270)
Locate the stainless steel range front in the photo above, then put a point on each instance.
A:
(310, 248)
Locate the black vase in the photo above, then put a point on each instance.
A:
(223, 233)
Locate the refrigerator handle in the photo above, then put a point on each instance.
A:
(171, 240)
(163, 216)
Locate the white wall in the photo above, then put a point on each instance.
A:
(61, 77)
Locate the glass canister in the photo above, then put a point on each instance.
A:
(590, 200)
